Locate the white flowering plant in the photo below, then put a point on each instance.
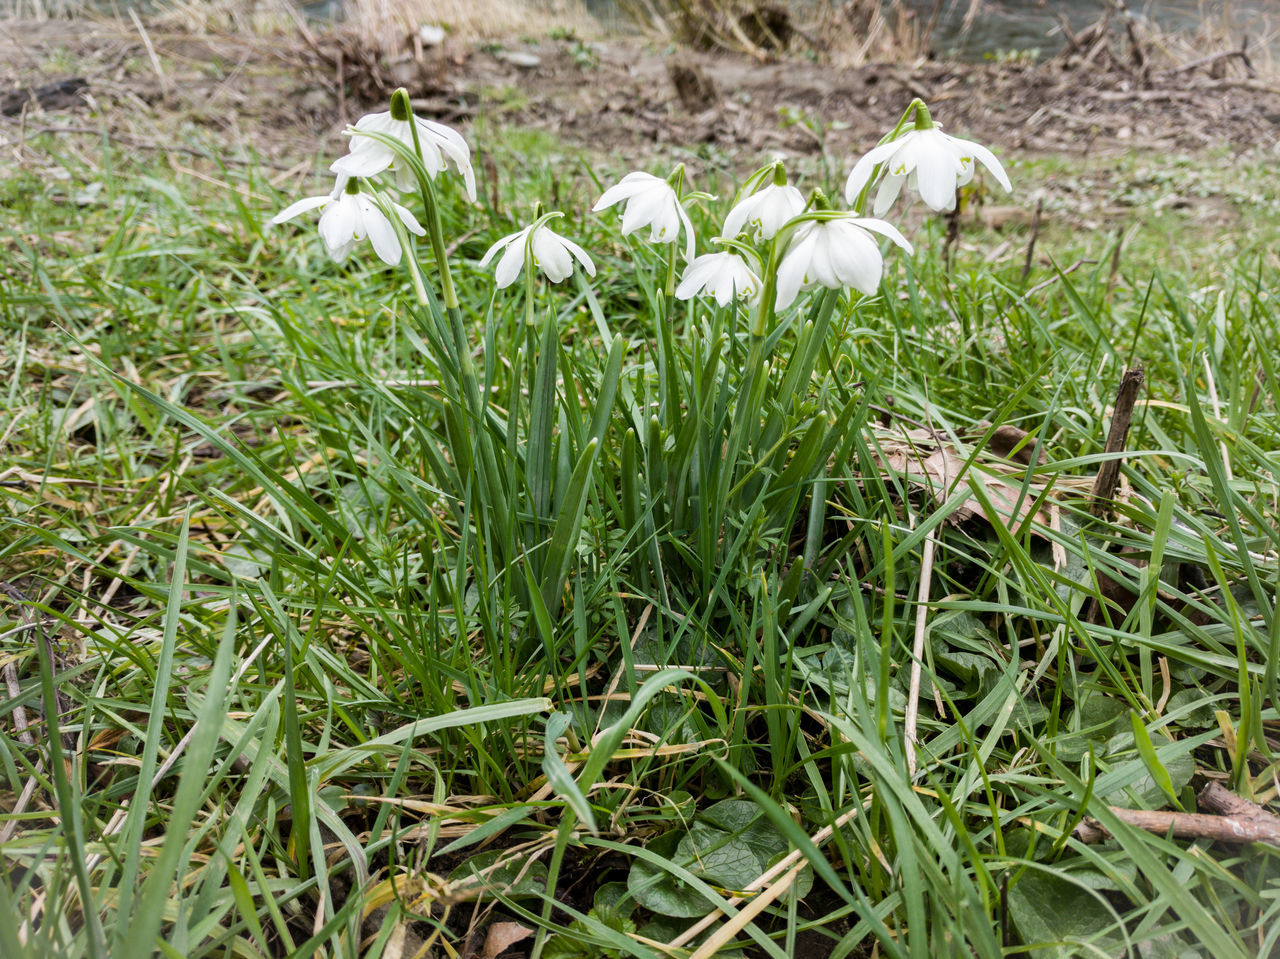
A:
(696, 454)
(712, 411)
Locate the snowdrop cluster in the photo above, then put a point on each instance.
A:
(806, 243)
(355, 209)
(773, 245)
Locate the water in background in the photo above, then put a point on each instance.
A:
(1026, 26)
(1029, 25)
(1000, 26)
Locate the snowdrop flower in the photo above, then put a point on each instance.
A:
(763, 212)
(724, 275)
(651, 201)
(834, 252)
(925, 159)
(550, 252)
(438, 146)
(350, 215)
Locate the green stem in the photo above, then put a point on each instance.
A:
(436, 232)
(434, 228)
(530, 287)
(764, 311)
(672, 257)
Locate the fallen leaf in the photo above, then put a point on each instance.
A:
(934, 464)
(501, 937)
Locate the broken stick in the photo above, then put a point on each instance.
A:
(1243, 821)
(1104, 487)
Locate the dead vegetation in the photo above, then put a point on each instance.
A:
(1114, 85)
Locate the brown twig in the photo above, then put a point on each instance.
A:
(1213, 60)
(1104, 486)
(1241, 821)
(1217, 798)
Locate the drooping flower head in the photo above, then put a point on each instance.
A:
(349, 216)
(834, 249)
(924, 159)
(437, 145)
(653, 202)
(548, 251)
(762, 211)
(725, 275)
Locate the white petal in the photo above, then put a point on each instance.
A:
(381, 233)
(502, 244)
(856, 259)
(452, 145)
(342, 251)
(364, 163)
(883, 228)
(405, 181)
(792, 269)
(377, 122)
(665, 226)
(863, 169)
(890, 187)
(822, 266)
(550, 256)
(696, 276)
(340, 223)
(409, 220)
(624, 189)
(302, 206)
(688, 229)
(581, 254)
(988, 160)
(740, 216)
(733, 279)
(449, 139)
(643, 208)
(936, 175)
(512, 263)
(778, 207)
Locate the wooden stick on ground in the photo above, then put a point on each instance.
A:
(1104, 486)
(1241, 822)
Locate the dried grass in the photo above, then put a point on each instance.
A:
(872, 31)
(846, 33)
(1222, 28)
(384, 24)
(246, 18)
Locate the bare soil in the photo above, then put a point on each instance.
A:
(290, 97)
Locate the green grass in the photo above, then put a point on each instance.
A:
(321, 643)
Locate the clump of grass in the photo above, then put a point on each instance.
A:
(285, 680)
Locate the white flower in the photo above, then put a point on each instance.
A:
(350, 215)
(926, 160)
(764, 212)
(651, 202)
(834, 253)
(723, 275)
(439, 146)
(550, 254)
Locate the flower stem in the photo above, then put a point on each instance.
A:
(767, 295)
(434, 228)
(670, 287)
(436, 232)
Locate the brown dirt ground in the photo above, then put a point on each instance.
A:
(290, 98)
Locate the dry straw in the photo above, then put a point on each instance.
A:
(384, 23)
